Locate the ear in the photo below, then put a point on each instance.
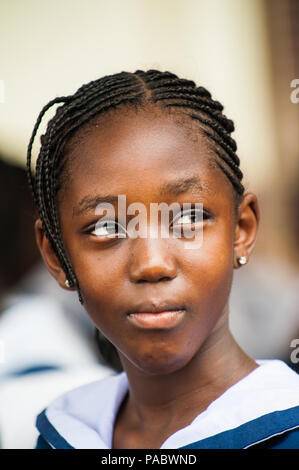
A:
(246, 228)
(50, 259)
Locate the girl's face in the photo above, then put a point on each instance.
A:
(136, 156)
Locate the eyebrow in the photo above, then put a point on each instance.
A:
(181, 186)
(176, 187)
(88, 203)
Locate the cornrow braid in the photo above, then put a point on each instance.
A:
(217, 127)
(125, 89)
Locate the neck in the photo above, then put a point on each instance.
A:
(160, 399)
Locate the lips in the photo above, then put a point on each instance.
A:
(155, 307)
(156, 316)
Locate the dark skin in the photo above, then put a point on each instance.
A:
(174, 373)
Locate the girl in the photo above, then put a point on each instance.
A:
(162, 302)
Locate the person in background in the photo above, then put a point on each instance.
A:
(46, 339)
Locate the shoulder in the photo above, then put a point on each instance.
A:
(81, 417)
(276, 368)
(87, 391)
(272, 386)
(277, 430)
(262, 410)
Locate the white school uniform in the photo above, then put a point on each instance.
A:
(262, 410)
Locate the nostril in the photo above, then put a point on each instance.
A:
(147, 265)
(156, 279)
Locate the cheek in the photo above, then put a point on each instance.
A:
(102, 281)
(210, 269)
(209, 275)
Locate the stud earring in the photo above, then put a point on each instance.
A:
(67, 283)
(242, 260)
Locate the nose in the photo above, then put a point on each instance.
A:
(151, 261)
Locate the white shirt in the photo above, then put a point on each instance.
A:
(83, 418)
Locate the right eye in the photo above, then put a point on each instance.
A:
(108, 229)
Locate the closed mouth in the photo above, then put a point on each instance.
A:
(155, 308)
(157, 317)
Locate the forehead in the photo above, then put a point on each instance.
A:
(133, 150)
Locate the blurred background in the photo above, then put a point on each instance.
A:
(246, 52)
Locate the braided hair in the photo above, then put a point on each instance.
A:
(164, 91)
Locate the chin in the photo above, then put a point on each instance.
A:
(161, 364)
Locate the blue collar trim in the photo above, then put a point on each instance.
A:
(49, 433)
(245, 436)
(253, 432)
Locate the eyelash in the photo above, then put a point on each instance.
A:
(205, 216)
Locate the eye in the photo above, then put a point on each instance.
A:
(189, 217)
(188, 222)
(108, 229)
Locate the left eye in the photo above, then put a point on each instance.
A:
(108, 228)
(189, 217)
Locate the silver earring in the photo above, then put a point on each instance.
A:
(67, 283)
(242, 260)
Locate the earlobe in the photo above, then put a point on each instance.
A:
(246, 229)
(49, 257)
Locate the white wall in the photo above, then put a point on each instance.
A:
(51, 48)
